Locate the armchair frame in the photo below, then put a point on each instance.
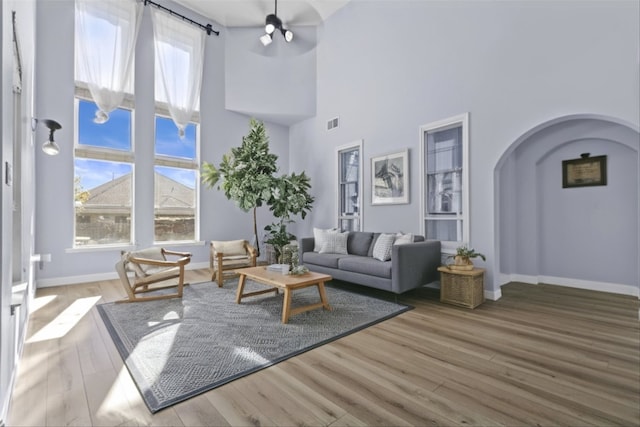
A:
(148, 271)
(218, 264)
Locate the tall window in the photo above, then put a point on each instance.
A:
(445, 206)
(350, 187)
(176, 182)
(103, 184)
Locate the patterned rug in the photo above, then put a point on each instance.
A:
(176, 349)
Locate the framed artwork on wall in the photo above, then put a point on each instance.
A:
(390, 179)
(584, 172)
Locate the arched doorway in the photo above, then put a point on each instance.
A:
(586, 237)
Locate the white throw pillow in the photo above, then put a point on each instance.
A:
(403, 239)
(383, 247)
(320, 235)
(335, 243)
(230, 247)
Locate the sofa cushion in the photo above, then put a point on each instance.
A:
(325, 260)
(320, 235)
(365, 265)
(335, 243)
(383, 247)
(358, 243)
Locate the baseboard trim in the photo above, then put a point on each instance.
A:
(614, 288)
(73, 280)
(493, 295)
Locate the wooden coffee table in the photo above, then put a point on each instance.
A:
(289, 283)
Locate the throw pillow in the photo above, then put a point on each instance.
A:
(320, 235)
(384, 245)
(335, 243)
(403, 239)
(230, 247)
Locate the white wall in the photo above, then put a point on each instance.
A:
(220, 130)
(387, 67)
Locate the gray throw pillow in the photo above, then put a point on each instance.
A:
(384, 245)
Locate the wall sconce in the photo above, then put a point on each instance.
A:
(50, 147)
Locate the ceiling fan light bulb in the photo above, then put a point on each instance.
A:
(269, 28)
(266, 39)
(288, 35)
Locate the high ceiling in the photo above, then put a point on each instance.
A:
(249, 13)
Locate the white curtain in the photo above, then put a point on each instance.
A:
(179, 62)
(106, 33)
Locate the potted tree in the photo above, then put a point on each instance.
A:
(246, 173)
(462, 260)
(289, 197)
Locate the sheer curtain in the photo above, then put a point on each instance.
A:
(179, 62)
(106, 33)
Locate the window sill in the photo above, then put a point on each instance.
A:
(106, 248)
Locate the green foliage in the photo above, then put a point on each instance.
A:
(466, 252)
(246, 172)
(246, 175)
(290, 196)
(278, 236)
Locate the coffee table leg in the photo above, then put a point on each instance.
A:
(240, 288)
(323, 296)
(286, 305)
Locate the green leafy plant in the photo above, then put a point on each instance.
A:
(246, 172)
(467, 253)
(246, 175)
(290, 197)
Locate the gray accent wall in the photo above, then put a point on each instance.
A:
(387, 67)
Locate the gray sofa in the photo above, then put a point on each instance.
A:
(412, 265)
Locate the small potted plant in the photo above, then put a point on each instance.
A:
(462, 260)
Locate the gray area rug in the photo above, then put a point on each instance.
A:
(176, 349)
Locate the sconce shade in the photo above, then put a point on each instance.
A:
(50, 147)
(266, 39)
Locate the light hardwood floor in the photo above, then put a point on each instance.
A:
(541, 355)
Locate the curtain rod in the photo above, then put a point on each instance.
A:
(207, 27)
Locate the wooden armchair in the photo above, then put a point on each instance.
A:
(229, 255)
(151, 266)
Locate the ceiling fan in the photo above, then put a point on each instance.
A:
(273, 23)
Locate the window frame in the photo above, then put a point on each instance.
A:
(103, 154)
(355, 145)
(179, 163)
(461, 120)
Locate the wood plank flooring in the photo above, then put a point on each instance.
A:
(540, 356)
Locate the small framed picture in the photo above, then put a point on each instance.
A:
(584, 172)
(390, 179)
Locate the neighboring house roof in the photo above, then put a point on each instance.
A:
(171, 197)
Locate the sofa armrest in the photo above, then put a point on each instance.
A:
(306, 245)
(414, 265)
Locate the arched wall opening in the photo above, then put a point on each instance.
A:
(586, 237)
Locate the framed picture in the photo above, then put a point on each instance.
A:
(390, 179)
(585, 171)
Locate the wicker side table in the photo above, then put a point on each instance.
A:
(463, 288)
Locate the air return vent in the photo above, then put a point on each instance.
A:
(333, 123)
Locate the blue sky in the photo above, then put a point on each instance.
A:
(116, 134)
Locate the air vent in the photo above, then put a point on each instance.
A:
(333, 123)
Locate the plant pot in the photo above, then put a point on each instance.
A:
(462, 263)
